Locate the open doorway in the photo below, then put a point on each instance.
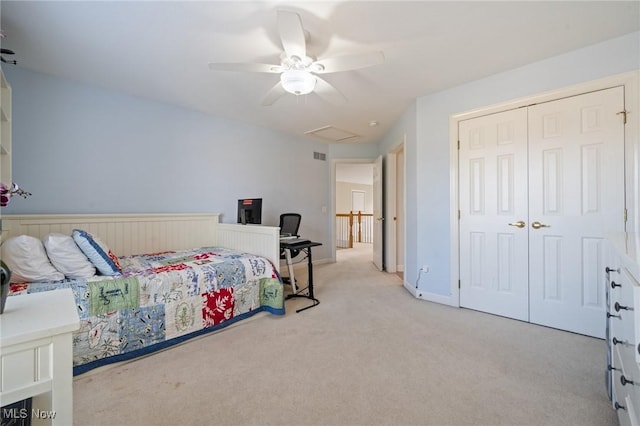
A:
(381, 227)
(354, 201)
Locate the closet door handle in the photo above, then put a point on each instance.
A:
(518, 224)
(538, 225)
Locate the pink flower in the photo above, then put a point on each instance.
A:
(6, 192)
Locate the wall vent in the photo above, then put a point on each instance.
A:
(319, 156)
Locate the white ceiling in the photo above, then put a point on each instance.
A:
(160, 50)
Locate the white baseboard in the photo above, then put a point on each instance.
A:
(431, 297)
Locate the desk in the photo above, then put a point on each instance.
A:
(305, 248)
(37, 355)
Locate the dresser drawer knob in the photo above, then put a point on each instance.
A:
(618, 307)
(611, 367)
(625, 381)
(607, 270)
(613, 316)
(619, 407)
(614, 284)
(639, 348)
(616, 341)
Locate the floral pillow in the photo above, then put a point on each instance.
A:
(98, 253)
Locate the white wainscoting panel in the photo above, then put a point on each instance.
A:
(125, 234)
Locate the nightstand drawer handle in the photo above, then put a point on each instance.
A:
(618, 307)
(614, 284)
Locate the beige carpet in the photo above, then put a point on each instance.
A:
(369, 354)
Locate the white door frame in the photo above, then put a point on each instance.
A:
(377, 243)
(332, 211)
(391, 207)
(631, 83)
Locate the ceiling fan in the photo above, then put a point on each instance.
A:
(298, 71)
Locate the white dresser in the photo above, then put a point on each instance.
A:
(36, 355)
(623, 326)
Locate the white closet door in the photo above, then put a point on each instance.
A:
(576, 190)
(493, 204)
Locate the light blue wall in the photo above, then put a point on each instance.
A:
(82, 149)
(428, 156)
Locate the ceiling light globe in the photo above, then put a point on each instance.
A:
(298, 82)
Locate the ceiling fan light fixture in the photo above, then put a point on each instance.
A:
(298, 82)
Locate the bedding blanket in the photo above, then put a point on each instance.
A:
(165, 298)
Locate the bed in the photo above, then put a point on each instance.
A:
(180, 276)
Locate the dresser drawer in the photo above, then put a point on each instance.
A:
(626, 413)
(626, 392)
(624, 311)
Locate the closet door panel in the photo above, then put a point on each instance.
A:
(576, 195)
(493, 184)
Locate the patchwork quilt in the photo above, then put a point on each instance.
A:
(165, 298)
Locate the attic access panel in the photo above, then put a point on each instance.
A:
(332, 134)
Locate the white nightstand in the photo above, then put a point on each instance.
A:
(36, 354)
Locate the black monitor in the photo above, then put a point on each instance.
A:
(250, 211)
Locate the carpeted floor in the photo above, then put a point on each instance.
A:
(369, 354)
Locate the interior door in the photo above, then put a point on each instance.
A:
(576, 177)
(558, 169)
(377, 214)
(493, 214)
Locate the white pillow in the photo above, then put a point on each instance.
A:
(66, 256)
(26, 258)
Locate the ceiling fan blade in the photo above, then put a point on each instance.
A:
(292, 34)
(328, 92)
(348, 62)
(273, 95)
(221, 66)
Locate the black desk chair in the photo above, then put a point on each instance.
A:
(289, 225)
